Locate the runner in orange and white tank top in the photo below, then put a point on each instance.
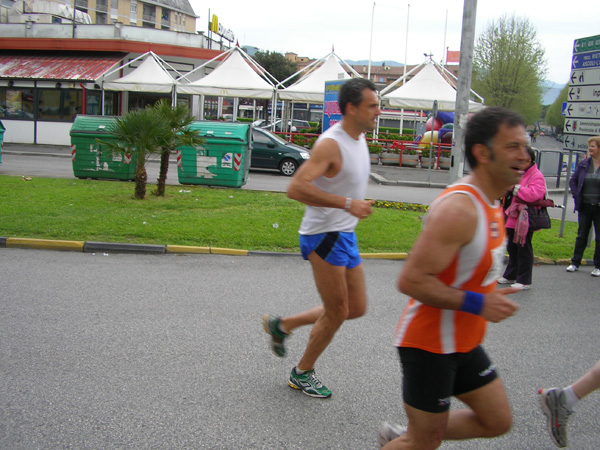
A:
(475, 268)
(450, 276)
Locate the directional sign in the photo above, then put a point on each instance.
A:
(585, 77)
(587, 60)
(583, 93)
(583, 126)
(584, 110)
(586, 44)
(575, 142)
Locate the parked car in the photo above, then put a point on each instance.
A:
(269, 151)
(293, 125)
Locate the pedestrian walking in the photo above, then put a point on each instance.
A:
(451, 276)
(332, 184)
(585, 188)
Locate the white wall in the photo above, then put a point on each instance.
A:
(49, 133)
(18, 131)
(54, 133)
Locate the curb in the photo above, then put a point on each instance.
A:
(109, 247)
(93, 247)
(384, 181)
(424, 184)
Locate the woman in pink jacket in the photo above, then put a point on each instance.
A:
(531, 188)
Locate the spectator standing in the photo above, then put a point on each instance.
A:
(585, 188)
(531, 188)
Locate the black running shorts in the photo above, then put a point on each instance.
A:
(430, 379)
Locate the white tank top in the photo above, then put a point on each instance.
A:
(351, 181)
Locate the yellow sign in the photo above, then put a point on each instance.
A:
(214, 24)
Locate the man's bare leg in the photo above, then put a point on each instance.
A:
(343, 294)
(488, 416)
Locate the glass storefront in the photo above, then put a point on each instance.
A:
(61, 105)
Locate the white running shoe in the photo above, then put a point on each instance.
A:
(503, 280)
(572, 268)
(557, 414)
(596, 272)
(389, 431)
(521, 286)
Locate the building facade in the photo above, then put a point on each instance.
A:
(54, 58)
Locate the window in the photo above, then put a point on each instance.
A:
(101, 18)
(59, 104)
(139, 100)
(16, 103)
(260, 138)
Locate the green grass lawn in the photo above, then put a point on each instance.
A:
(105, 211)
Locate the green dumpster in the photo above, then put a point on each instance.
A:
(94, 160)
(2, 130)
(223, 159)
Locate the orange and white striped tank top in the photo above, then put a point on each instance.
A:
(476, 267)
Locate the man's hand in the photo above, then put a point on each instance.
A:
(361, 208)
(497, 306)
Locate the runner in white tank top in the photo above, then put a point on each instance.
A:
(332, 185)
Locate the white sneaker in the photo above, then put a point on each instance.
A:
(521, 286)
(572, 268)
(596, 272)
(503, 280)
(389, 431)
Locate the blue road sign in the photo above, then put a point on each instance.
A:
(587, 60)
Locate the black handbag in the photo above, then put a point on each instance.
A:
(538, 217)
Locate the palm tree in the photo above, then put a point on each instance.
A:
(178, 120)
(142, 133)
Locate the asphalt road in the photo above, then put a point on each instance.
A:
(120, 351)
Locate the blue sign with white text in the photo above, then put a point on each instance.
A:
(586, 60)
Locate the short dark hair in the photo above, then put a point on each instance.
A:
(531, 153)
(483, 127)
(352, 92)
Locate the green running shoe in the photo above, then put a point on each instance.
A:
(309, 384)
(271, 327)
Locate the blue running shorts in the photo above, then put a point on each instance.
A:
(336, 247)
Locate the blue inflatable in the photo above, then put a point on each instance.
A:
(445, 117)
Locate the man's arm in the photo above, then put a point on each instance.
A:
(325, 160)
(449, 226)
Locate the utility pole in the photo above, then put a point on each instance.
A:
(465, 69)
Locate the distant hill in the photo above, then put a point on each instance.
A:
(552, 91)
(365, 62)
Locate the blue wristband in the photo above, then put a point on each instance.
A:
(473, 303)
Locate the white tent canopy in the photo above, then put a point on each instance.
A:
(150, 76)
(235, 76)
(423, 89)
(311, 87)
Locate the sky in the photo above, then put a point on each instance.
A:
(358, 30)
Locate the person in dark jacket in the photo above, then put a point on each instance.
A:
(585, 188)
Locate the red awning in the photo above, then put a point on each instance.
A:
(63, 68)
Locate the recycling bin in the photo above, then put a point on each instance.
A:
(222, 160)
(2, 130)
(94, 160)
